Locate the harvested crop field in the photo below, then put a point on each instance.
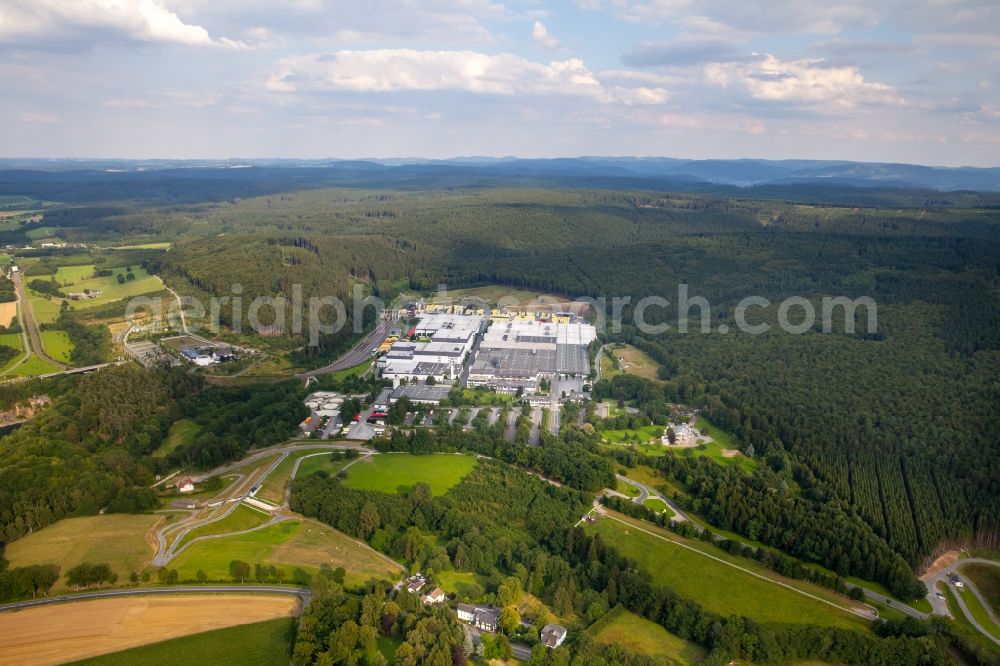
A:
(67, 632)
(7, 313)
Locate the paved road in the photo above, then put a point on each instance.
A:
(177, 589)
(940, 606)
(28, 322)
(645, 492)
(360, 353)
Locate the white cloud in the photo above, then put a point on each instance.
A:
(542, 38)
(805, 82)
(387, 70)
(25, 21)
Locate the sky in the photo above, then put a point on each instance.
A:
(891, 81)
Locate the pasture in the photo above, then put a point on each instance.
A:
(60, 633)
(717, 586)
(267, 643)
(398, 472)
(114, 539)
(290, 544)
(641, 636)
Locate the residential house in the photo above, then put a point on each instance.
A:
(435, 596)
(185, 486)
(553, 635)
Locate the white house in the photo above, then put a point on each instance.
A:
(185, 486)
(435, 596)
(553, 635)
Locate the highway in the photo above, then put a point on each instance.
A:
(360, 353)
(176, 589)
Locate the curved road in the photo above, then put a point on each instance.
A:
(177, 589)
(940, 605)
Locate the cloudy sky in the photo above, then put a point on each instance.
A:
(894, 80)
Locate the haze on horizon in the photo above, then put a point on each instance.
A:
(908, 81)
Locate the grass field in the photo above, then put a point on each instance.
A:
(645, 434)
(115, 539)
(68, 275)
(12, 340)
(46, 310)
(658, 505)
(262, 643)
(242, 518)
(626, 488)
(398, 472)
(75, 279)
(145, 246)
(273, 488)
(979, 612)
(718, 586)
(986, 578)
(312, 464)
(62, 633)
(289, 544)
(32, 366)
(721, 441)
(459, 582)
(494, 293)
(57, 345)
(630, 361)
(641, 636)
(181, 433)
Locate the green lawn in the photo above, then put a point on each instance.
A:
(242, 518)
(658, 505)
(289, 544)
(986, 578)
(273, 488)
(312, 464)
(258, 643)
(68, 275)
(399, 472)
(388, 646)
(57, 345)
(718, 586)
(114, 539)
(181, 433)
(645, 434)
(31, 367)
(721, 441)
(459, 582)
(341, 375)
(626, 488)
(979, 612)
(641, 636)
(12, 340)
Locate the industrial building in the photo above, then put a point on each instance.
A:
(517, 353)
(443, 341)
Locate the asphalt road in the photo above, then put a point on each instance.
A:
(940, 606)
(360, 353)
(177, 589)
(28, 322)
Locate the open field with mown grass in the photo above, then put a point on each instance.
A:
(459, 582)
(57, 345)
(716, 585)
(12, 340)
(312, 464)
(290, 544)
(658, 505)
(267, 643)
(979, 612)
(117, 540)
(31, 367)
(641, 636)
(399, 472)
(242, 518)
(61, 633)
(273, 488)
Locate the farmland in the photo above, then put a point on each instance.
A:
(288, 544)
(266, 643)
(115, 539)
(8, 311)
(639, 635)
(59, 633)
(717, 586)
(398, 472)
